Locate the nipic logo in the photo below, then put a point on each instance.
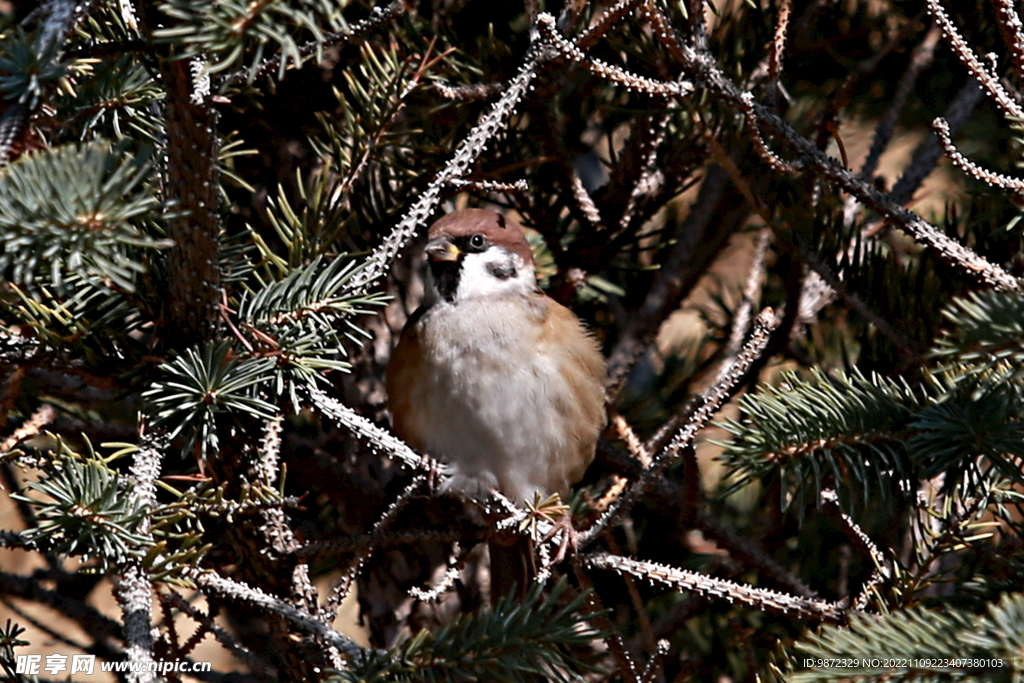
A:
(32, 665)
(55, 664)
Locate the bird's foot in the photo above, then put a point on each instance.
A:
(434, 471)
(570, 541)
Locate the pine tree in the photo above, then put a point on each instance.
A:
(208, 219)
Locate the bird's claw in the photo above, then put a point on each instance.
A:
(434, 471)
(570, 540)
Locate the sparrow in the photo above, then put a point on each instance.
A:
(496, 378)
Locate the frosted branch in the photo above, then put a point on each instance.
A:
(970, 60)
(215, 583)
(990, 178)
(709, 404)
(709, 586)
(465, 154)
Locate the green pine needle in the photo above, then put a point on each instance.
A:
(515, 642)
(74, 209)
(203, 383)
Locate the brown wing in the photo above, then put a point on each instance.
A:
(402, 383)
(583, 368)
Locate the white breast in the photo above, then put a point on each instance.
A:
(488, 404)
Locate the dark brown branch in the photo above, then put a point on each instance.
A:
(358, 31)
(920, 60)
(193, 286)
(693, 252)
(957, 113)
(93, 622)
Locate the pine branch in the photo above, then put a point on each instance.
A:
(135, 595)
(513, 642)
(465, 154)
(74, 210)
(32, 68)
(710, 402)
(304, 320)
(222, 31)
(708, 74)
(90, 516)
(805, 431)
(201, 384)
(919, 642)
(988, 331)
(927, 156)
(192, 184)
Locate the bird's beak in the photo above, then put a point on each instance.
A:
(442, 249)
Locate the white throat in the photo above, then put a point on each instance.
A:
(494, 273)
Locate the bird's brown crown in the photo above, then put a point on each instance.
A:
(495, 228)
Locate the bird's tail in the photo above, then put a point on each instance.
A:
(513, 565)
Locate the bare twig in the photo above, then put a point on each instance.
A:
(678, 274)
(585, 202)
(653, 668)
(835, 285)
(703, 584)
(632, 441)
(469, 93)
(703, 68)
(208, 625)
(1013, 33)
(650, 177)
(709, 404)
(969, 59)
(779, 43)
(380, 15)
(42, 417)
(451, 573)
(133, 589)
(517, 187)
(134, 594)
(920, 59)
(375, 538)
(612, 16)
(363, 542)
(751, 294)
(571, 51)
(699, 30)
(12, 539)
(341, 589)
(377, 438)
(145, 469)
(762, 149)
(268, 461)
(925, 233)
(991, 178)
(465, 154)
(830, 501)
(956, 114)
(592, 606)
(750, 553)
(215, 583)
(92, 621)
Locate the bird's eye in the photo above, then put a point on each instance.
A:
(477, 241)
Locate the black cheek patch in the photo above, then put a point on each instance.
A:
(501, 220)
(446, 278)
(502, 271)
